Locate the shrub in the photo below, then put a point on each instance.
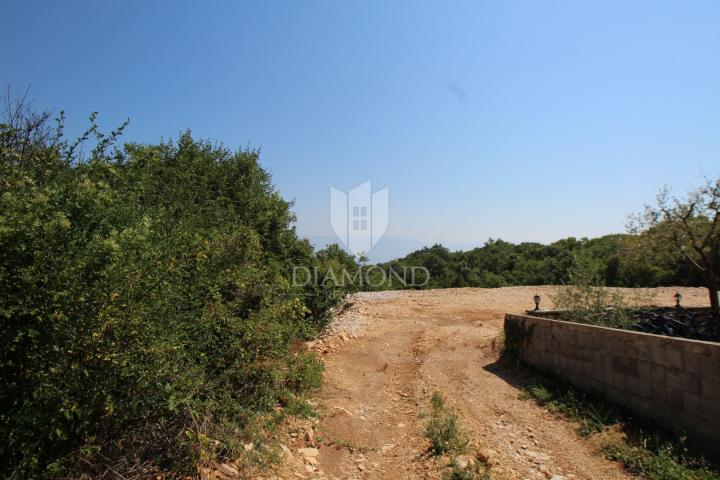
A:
(146, 309)
(586, 299)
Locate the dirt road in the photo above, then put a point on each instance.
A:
(389, 351)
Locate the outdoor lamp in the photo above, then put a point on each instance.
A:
(678, 297)
(536, 299)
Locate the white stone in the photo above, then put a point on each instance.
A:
(308, 452)
(463, 461)
(286, 451)
(229, 470)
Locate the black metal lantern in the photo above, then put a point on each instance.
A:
(536, 299)
(678, 297)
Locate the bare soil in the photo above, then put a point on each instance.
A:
(387, 352)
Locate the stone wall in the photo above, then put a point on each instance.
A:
(673, 380)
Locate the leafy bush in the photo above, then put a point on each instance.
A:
(146, 309)
(586, 299)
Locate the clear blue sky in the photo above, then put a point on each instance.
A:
(530, 120)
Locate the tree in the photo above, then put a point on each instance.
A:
(686, 228)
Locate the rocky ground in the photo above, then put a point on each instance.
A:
(387, 352)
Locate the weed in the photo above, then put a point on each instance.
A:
(474, 471)
(299, 407)
(665, 463)
(443, 429)
(643, 450)
(467, 470)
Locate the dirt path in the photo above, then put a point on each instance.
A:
(390, 351)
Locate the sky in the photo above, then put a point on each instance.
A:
(520, 120)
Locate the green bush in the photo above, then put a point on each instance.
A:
(586, 299)
(146, 308)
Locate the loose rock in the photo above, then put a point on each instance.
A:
(229, 470)
(309, 452)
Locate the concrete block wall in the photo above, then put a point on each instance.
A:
(671, 380)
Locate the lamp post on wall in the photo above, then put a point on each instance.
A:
(536, 299)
